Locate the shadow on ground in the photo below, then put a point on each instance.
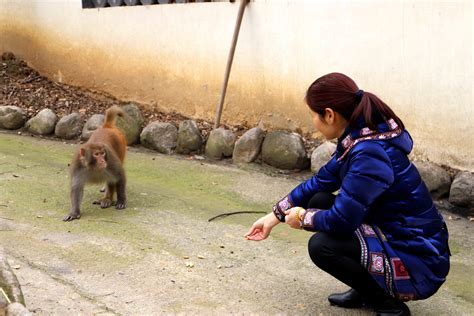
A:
(161, 255)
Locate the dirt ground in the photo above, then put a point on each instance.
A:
(161, 255)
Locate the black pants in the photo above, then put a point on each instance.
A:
(340, 256)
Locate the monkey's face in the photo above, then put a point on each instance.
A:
(94, 156)
(99, 157)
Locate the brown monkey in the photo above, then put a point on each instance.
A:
(97, 161)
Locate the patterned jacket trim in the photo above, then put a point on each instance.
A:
(280, 208)
(348, 142)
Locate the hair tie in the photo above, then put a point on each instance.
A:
(359, 95)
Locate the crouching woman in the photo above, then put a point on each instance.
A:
(381, 234)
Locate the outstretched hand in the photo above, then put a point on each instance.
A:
(261, 229)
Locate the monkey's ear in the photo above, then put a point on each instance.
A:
(82, 151)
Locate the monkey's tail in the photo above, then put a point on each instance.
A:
(110, 116)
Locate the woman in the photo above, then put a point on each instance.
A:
(381, 235)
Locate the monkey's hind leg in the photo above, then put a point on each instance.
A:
(107, 200)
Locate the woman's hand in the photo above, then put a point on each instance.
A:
(262, 227)
(292, 218)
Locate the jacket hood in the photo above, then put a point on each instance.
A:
(404, 142)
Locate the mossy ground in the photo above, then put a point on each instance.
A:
(138, 260)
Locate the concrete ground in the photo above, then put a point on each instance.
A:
(161, 255)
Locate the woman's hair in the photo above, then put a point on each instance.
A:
(340, 93)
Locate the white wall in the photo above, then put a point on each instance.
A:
(416, 55)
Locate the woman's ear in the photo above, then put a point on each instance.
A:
(329, 116)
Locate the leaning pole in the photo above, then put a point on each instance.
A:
(230, 58)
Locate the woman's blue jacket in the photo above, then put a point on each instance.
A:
(382, 199)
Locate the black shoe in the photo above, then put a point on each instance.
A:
(392, 307)
(349, 299)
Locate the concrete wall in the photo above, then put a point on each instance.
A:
(416, 55)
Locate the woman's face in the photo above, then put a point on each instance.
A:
(331, 125)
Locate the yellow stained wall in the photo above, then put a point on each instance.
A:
(416, 55)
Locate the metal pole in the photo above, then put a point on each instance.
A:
(229, 62)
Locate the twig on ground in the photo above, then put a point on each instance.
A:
(11, 93)
(29, 79)
(6, 296)
(102, 220)
(233, 213)
(103, 295)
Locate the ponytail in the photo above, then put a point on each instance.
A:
(373, 110)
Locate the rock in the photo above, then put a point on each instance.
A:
(69, 126)
(462, 190)
(220, 143)
(93, 123)
(43, 123)
(321, 155)
(436, 178)
(11, 117)
(8, 281)
(160, 136)
(248, 146)
(17, 309)
(189, 138)
(131, 124)
(284, 150)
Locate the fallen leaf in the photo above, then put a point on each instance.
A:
(300, 306)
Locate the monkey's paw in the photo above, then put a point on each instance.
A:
(120, 205)
(105, 203)
(71, 217)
